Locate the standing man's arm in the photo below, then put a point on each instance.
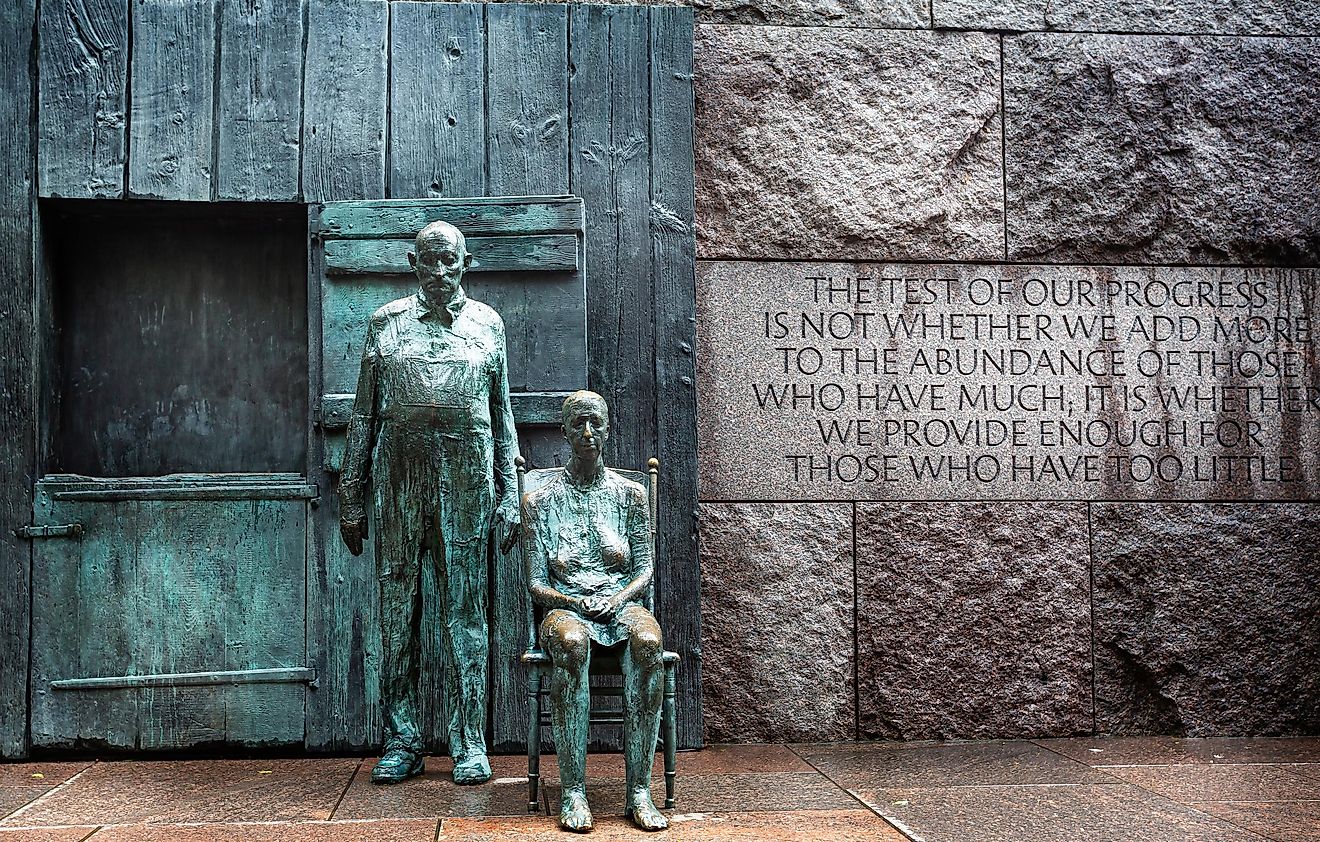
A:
(355, 475)
(506, 448)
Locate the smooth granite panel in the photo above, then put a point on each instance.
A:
(862, 144)
(973, 620)
(777, 621)
(893, 381)
(1205, 618)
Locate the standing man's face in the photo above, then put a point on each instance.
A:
(439, 264)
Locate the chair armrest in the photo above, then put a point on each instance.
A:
(536, 656)
(669, 658)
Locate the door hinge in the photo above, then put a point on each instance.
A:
(73, 530)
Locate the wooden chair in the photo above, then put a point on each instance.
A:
(602, 664)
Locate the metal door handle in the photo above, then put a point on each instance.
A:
(74, 530)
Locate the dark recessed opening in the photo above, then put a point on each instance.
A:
(181, 337)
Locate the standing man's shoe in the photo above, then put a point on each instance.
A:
(398, 764)
(474, 769)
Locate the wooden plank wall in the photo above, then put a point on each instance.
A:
(18, 393)
(592, 100)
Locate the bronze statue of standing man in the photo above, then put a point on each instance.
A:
(589, 567)
(432, 440)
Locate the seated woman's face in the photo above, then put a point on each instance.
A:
(587, 429)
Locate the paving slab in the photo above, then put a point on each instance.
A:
(837, 826)
(885, 765)
(1067, 813)
(722, 793)
(1281, 821)
(352, 831)
(164, 791)
(45, 775)
(46, 834)
(1200, 782)
(1159, 751)
(434, 793)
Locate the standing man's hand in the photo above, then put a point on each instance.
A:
(353, 530)
(507, 523)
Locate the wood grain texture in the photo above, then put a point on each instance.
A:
(344, 97)
(541, 253)
(171, 125)
(437, 99)
(610, 170)
(149, 589)
(473, 216)
(673, 267)
(83, 72)
(527, 98)
(18, 358)
(260, 115)
(343, 606)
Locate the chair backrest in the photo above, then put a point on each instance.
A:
(529, 481)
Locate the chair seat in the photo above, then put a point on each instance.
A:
(538, 658)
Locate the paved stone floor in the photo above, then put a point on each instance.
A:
(1073, 790)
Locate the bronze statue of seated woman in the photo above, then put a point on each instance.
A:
(589, 569)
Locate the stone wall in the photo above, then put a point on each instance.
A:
(1082, 138)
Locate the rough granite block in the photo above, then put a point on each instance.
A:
(777, 621)
(893, 14)
(856, 144)
(973, 620)
(1210, 17)
(1205, 618)
(1162, 149)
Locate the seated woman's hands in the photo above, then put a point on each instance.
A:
(597, 607)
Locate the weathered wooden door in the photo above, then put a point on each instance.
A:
(529, 268)
(169, 538)
(169, 611)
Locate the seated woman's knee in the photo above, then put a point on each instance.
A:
(566, 640)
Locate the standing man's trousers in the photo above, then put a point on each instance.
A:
(453, 574)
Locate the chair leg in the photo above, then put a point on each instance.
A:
(533, 740)
(671, 736)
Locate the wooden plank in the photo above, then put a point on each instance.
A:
(437, 92)
(343, 606)
(83, 72)
(265, 623)
(82, 627)
(344, 97)
(171, 126)
(475, 217)
(673, 261)
(19, 340)
(546, 252)
(554, 332)
(260, 115)
(529, 409)
(610, 170)
(527, 98)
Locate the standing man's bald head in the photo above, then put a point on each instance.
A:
(440, 260)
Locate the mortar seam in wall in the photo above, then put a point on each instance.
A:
(1003, 142)
(961, 30)
(1090, 568)
(857, 684)
(989, 261)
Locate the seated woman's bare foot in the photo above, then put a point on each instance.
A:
(574, 814)
(644, 814)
